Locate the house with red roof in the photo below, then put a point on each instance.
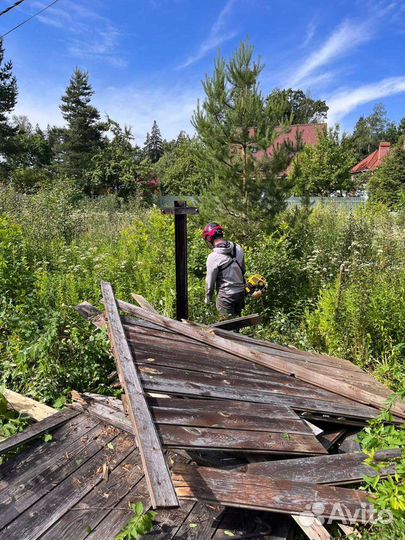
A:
(295, 137)
(373, 161)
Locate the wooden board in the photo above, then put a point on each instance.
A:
(336, 469)
(156, 471)
(37, 429)
(35, 521)
(321, 365)
(284, 365)
(312, 528)
(184, 382)
(190, 424)
(95, 506)
(235, 324)
(25, 489)
(25, 405)
(256, 492)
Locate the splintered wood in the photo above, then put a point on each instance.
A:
(156, 470)
(209, 421)
(230, 393)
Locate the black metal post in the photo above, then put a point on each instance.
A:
(180, 234)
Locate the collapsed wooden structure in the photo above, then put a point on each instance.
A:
(209, 420)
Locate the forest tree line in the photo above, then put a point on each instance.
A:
(98, 156)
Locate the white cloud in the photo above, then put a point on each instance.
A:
(310, 33)
(344, 101)
(90, 36)
(343, 39)
(216, 36)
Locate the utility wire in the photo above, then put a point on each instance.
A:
(11, 7)
(29, 18)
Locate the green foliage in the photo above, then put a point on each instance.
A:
(387, 184)
(53, 259)
(118, 166)
(153, 147)
(84, 134)
(8, 100)
(388, 493)
(11, 422)
(139, 525)
(324, 168)
(179, 171)
(362, 316)
(244, 193)
(295, 107)
(369, 131)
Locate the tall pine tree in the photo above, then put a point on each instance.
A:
(245, 191)
(153, 146)
(8, 100)
(84, 134)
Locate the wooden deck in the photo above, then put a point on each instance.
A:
(209, 420)
(79, 486)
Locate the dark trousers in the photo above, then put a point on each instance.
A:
(230, 305)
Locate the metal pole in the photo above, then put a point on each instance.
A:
(180, 234)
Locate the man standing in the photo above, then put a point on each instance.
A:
(225, 272)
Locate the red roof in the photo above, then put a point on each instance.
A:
(295, 135)
(374, 160)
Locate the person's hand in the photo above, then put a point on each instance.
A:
(207, 301)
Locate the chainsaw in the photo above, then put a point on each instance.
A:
(256, 286)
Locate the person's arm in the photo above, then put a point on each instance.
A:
(212, 273)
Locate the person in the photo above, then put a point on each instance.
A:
(225, 272)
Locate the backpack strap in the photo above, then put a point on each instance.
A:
(232, 260)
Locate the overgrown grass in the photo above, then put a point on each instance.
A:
(55, 249)
(337, 284)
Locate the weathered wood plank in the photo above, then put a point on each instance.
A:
(41, 455)
(226, 414)
(340, 387)
(350, 443)
(312, 527)
(179, 436)
(330, 366)
(329, 438)
(232, 488)
(35, 484)
(336, 469)
(117, 518)
(233, 324)
(238, 440)
(156, 471)
(25, 405)
(201, 523)
(36, 430)
(96, 505)
(37, 519)
(92, 314)
(188, 384)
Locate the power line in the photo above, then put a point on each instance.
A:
(29, 18)
(11, 7)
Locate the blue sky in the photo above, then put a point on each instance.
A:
(146, 58)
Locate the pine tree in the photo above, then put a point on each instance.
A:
(8, 100)
(153, 146)
(84, 134)
(245, 190)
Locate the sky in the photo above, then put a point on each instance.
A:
(146, 58)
